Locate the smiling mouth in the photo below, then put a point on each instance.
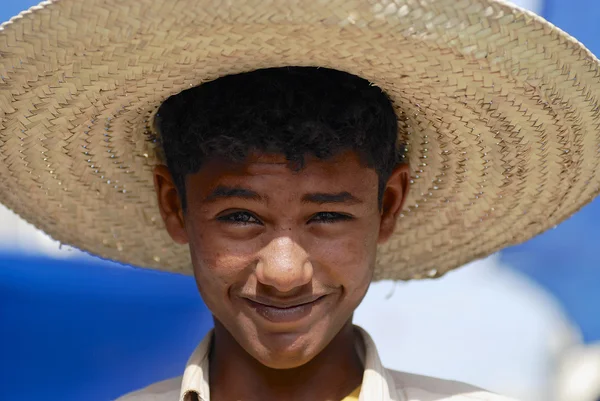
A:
(284, 313)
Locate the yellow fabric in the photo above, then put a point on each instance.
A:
(353, 396)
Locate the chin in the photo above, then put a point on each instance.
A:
(286, 351)
(283, 360)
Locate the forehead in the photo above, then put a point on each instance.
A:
(269, 172)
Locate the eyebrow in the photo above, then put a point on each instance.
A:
(224, 192)
(322, 198)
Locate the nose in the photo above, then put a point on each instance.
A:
(284, 265)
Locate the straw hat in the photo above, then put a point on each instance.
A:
(499, 109)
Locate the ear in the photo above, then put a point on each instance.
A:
(169, 204)
(394, 195)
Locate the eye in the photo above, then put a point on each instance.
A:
(329, 217)
(241, 218)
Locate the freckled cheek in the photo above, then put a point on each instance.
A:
(348, 259)
(218, 257)
(218, 274)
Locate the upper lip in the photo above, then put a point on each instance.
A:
(284, 303)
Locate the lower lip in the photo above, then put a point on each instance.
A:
(284, 315)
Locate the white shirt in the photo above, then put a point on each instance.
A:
(379, 383)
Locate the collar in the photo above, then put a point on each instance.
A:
(377, 384)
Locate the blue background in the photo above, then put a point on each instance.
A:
(114, 329)
(103, 326)
(566, 260)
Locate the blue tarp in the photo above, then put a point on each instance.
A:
(68, 326)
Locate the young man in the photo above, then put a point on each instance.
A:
(283, 182)
(425, 136)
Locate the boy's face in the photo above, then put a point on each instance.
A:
(282, 258)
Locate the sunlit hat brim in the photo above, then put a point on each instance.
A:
(498, 107)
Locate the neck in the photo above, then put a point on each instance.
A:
(329, 376)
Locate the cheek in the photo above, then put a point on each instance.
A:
(215, 252)
(218, 265)
(349, 259)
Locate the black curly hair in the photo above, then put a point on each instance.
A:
(294, 111)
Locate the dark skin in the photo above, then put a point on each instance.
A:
(282, 259)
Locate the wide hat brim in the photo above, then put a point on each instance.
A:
(499, 110)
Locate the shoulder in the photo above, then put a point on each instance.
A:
(425, 388)
(166, 390)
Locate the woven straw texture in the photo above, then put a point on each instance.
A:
(498, 107)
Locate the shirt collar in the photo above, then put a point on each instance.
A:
(377, 384)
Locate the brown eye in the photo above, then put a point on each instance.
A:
(329, 217)
(241, 218)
